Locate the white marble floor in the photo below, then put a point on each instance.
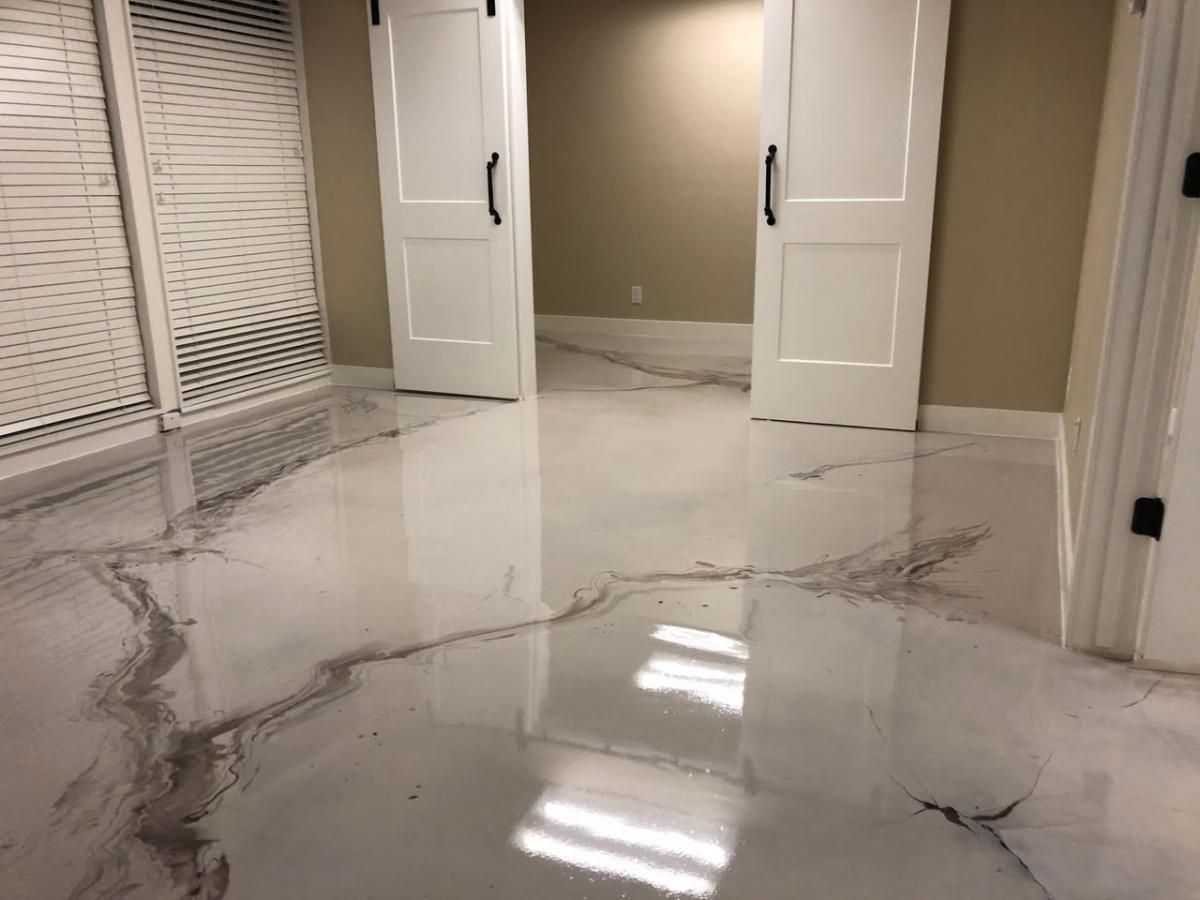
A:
(615, 642)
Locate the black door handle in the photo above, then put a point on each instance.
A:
(491, 167)
(770, 213)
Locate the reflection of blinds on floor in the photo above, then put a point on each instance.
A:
(70, 346)
(221, 107)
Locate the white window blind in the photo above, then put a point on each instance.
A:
(221, 107)
(70, 345)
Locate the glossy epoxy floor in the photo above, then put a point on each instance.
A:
(615, 642)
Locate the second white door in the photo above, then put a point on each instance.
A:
(441, 120)
(852, 99)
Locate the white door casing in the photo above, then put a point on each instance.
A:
(852, 99)
(1169, 627)
(440, 114)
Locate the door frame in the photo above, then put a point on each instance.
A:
(512, 13)
(1106, 586)
(516, 97)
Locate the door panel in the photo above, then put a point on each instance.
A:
(449, 296)
(850, 144)
(438, 88)
(440, 115)
(852, 96)
(860, 330)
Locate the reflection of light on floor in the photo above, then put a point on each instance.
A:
(719, 685)
(617, 828)
(538, 843)
(697, 639)
(627, 839)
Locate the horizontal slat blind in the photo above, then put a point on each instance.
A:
(70, 345)
(221, 106)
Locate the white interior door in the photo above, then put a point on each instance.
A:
(852, 101)
(440, 115)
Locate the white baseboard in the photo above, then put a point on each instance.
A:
(1066, 530)
(364, 377)
(733, 338)
(70, 446)
(996, 422)
(257, 402)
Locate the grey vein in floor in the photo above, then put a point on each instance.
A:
(693, 377)
(178, 775)
(821, 471)
(355, 630)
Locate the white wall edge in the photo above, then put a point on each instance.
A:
(737, 336)
(1066, 536)
(364, 377)
(992, 422)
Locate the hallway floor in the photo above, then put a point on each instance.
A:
(617, 642)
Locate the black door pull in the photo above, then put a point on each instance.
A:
(770, 213)
(491, 167)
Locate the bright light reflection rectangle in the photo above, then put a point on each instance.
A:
(721, 686)
(698, 639)
(622, 830)
(539, 843)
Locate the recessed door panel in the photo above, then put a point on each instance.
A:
(449, 291)
(852, 91)
(839, 303)
(440, 98)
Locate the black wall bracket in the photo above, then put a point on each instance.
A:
(374, 12)
(1148, 514)
(491, 7)
(1191, 176)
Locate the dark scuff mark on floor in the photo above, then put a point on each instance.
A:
(1144, 697)
(356, 403)
(821, 471)
(179, 773)
(984, 821)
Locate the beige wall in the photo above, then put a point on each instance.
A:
(644, 147)
(643, 126)
(1024, 87)
(341, 110)
(1100, 242)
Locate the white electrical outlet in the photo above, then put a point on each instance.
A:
(635, 296)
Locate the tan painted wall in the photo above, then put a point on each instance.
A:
(342, 115)
(1024, 88)
(1095, 280)
(644, 123)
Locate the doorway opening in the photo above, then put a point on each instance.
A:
(644, 122)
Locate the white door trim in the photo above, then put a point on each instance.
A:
(310, 177)
(517, 98)
(137, 200)
(1140, 345)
